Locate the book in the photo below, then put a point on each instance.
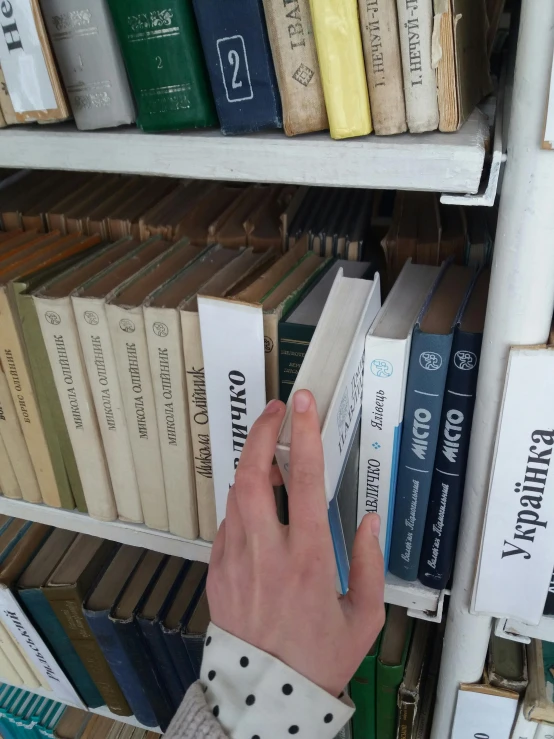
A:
(6, 105)
(194, 632)
(123, 618)
(383, 64)
(429, 356)
(72, 723)
(24, 46)
(393, 652)
(415, 26)
(296, 66)
(387, 352)
(29, 590)
(428, 691)
(67, 587)
(240, 65)
(97, 608)
(164, 61)
(411, 687)
(537, 703)
(341, 62)
(297, 327)
(9, 486)
(447, 486)
(481, 709)
(515, 560)
(363, 687)
(544, 731)
(348, 313)
(507, 665)
(549, 603)
(90, 63)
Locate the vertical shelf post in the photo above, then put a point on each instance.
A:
(519, 312)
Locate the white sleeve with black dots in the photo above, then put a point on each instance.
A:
(256, 696)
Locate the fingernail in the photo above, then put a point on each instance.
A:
(302, 400)
(273, 406)
(375, 524)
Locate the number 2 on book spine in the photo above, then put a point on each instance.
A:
(234, 61)
(159, 63)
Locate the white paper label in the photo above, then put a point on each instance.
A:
(234, 366)
(483, 716)
(22, 60)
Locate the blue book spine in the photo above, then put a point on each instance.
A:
(151, 630)
(179, 656)
(427, 372)
(194, 644)
(447, 488)
(106, 635)
(53, 633)
(240, 64)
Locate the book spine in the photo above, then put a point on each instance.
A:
(289, 27)
(106, 635)
(384, 393)
(271, 354)
(17, 658)
(25, 403)
(415, 23)
(100, 364)
(429, 357)
(152, 633)
(543, 731)
(406, 719)
(8, 673)
(60, 645)
(379, 26)
(341, 62)
(179, 655)
(294, 341)
(199, 424)
(194, 644)
(90, 63)
(362, 691)
(59, 332)
(68, 609)
(447, 487)
(167, 366)
(9, 485)
(131, 355)
(388, 682)
(6, 105)
(129, 636)
(237, 51)
(549, 604)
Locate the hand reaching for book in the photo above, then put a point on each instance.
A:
(273, 585)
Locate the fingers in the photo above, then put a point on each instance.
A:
(306, 488)
(253, 478)
(366, 584)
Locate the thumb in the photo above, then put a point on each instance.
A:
(366, 584)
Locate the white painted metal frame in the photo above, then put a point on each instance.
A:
(521, 302)
(509, 628)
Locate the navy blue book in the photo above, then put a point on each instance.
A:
(429, 357)
(447, 487)
(44, 619)
(123, 617)
(184, 601)
(237, 51)
(97, 609)
(150, 617)
(194, 633)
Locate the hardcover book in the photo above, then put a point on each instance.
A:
(393, 652)
(481, 709)
(411, 687)
(238, 55)
(363, 687)
(90, 62)
(164, 60)
(537, 703)
(194, 633)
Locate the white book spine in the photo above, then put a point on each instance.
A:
(15, 444)
(131, 355)
(8, 481)
(165, 351)
(544, 731)
(234, 365)
(415, 24)
(94, 334)
(18, 660)
(525, 729)
(61, 339)
(384, 392)
(517, 552)
(480, 714)
(35, 650)
(8, 673)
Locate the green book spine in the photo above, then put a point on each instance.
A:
(55, 430)
(389, 679)
(363, 693)
(161, 47)
(294, 340)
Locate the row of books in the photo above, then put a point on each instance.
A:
(124, 625)
(248, 66)
(395, 686)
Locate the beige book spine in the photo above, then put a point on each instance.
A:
(8, 481)
(16, 448)
(25, 403)
(61, 339)
(199, 424)
(96, 343)
(445, 64)
(271, 355)
(10, 648)
(289, 27)
(383, 64)
(8, 673)
(131, 356)
(165, 351)
(415, 24)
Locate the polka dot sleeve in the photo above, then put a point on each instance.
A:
(256, 696)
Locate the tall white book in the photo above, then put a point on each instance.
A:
(482, 711)
(387, 354)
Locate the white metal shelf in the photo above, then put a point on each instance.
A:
(436, 162)
(509, 628)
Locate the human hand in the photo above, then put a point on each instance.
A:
(273, 585)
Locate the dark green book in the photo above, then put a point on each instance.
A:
(161, 47)
(363, 693)
(395, 643)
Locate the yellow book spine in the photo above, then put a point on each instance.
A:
(341, 61)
